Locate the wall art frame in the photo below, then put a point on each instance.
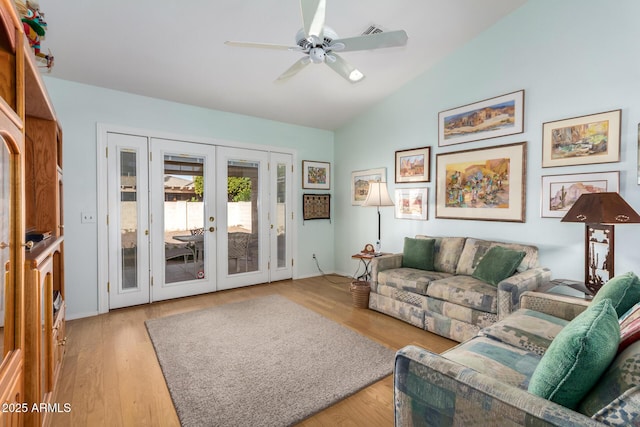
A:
(485, 184)
(412, 203)
(638, 153)
(491, 118)
(316, 206)
(583, 140)
(560, 192)
(316, 175)
(360, 183)
(413, 165)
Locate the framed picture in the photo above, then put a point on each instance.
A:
(316, 175)
(413, 165)
(360, 183)
(638, 154)
(316, 206)
(560, 192)
(486, 184)
(411, 203)
(582, 140)
(499, 116)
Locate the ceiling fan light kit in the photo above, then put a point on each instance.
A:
(320, 43)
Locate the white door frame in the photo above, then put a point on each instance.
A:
(102, 197)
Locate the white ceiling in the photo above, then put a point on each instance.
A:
(174, 50)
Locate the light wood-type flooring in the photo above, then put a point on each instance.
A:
(111, 376)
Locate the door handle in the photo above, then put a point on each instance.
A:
(211, 219)
(212, 229)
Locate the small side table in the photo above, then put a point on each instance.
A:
(572, 288)
(366, 259)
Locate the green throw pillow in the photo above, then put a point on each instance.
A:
(418, 253)
(578, 355)
(497, 264)
(623, 291)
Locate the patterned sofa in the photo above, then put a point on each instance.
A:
(448, 300)
(485, 380)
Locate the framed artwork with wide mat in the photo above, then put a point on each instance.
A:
(486, 184)
(491, 118)
(582, 140)
(560, 192)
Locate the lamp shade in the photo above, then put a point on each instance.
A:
(378, 195)
(601, 208)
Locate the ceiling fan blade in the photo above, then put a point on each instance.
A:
(372, 41)
(295, 68)
(313, 13)
(343, 68)
(262, 45)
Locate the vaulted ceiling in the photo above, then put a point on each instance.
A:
(174, 50)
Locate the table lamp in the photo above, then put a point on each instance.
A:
(378, 196)
(599, 212)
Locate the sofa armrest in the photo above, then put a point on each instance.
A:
(562, 306)
(430, 390)
(384, 262)
(511, 288)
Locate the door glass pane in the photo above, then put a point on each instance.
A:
(129, 219)
(5, 229)
(184, 183)
(242, 216)
(281, 215)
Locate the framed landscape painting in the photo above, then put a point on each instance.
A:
(360, 183)
(582, 140)
(486, 184)
(560, 192)
(499, 116)
(413, 165)
(411, 203)
(316, 175)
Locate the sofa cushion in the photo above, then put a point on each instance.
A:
(418, 253)
(501, 361)
(465, 291)
(497, 264)
(629, 334)
(622, 376)
(474, 250)
(578, 355)
(623, 290)
(526, 329)
(447, 252)
(631, 314)
(409, 279)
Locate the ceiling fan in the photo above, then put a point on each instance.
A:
(320, 43)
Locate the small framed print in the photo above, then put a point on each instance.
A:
(411, 203)
(582, 140)
(360, 183)
(560, 192)
(413, 165)
(316, 175)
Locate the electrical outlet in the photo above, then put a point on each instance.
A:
(88, 217)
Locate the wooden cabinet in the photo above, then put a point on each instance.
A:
(32, 303)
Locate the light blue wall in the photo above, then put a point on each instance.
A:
(572, 58)
(80, 107)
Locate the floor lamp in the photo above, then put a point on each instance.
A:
(378, 196)
(600, 212)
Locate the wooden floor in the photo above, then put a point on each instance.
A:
(111, 376)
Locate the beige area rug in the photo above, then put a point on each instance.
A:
(261, 362)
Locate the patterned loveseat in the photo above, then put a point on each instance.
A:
(448, 300)
(487, 379)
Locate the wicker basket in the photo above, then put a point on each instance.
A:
(360, 294)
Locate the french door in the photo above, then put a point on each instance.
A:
(188, 218)
(183, 219)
